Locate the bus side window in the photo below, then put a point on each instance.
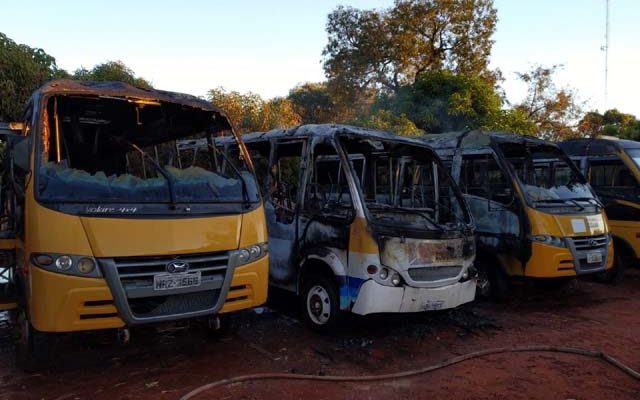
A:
(284, 180)
(328, 188)
(611, 173)
(481, 176)
(611, 177)
(259, 153)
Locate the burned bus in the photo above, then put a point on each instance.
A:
(612, 167)
(362, 221)
(535, 214)
(106, 223)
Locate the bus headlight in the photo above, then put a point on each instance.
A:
(550, 240)
(64, 263)
(86, 265)
(68, 264)
(396, 280)
(251, 253)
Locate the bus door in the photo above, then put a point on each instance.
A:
(281, 208)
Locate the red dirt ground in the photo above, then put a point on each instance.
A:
(167, 362)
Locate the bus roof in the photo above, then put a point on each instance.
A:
(599, 146)
(123, 90)
(477, 139)
(330, 131)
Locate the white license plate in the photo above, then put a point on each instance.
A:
(594, 257)
(176, 281)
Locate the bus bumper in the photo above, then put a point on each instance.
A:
(64, 303)
(375, 298)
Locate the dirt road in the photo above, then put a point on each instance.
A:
(168, 363)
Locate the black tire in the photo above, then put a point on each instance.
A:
(33, 348)
(615, 274)
(493, 282)
(320, 303)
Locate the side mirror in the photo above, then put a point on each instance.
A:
(19, 152)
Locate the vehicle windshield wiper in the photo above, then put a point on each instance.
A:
(414, 211)
(245, 191)
(574, 201)
(162, 171)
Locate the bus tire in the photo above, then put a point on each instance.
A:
(615, 273)
(493, 282)
(320, 304)
(33, 348)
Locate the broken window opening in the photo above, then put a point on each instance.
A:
(405, 184)
(111, 150)
(547, 178)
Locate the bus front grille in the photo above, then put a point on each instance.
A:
(590, 242)
(434, 273)
(133, 278)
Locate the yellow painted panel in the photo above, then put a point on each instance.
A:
(545, 261)
(564, 225)
(360, 238)
(253, 278)
(58, 300)
(254, 227)
(629, 231)
(118, 237)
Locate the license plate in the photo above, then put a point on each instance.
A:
(176, 281)
(595, 257)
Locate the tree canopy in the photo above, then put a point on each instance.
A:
(22, 70)
(249, 112)
(111, 71)
(555, 112)
(387, 49)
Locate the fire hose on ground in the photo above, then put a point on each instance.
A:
(609, 360)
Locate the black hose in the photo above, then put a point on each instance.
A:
(404, 374)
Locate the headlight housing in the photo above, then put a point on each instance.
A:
(251, 253)
(68, 264)
(386, 276)
(550, 240)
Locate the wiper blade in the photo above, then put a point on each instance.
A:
(162, 171)
(245, 191)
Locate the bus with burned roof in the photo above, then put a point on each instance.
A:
(535, 214)
(612, 166)
(362, 221)
(107, 223)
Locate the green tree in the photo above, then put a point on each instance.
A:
(314, 103)
(387, 49)
(555, 112)
(249, 112)
(388, 121)
(611, 123)
(22, 70)
(441, 101)
(111, 71)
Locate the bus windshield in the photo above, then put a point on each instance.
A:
(406, 185)
(547, 177)
(114, 151)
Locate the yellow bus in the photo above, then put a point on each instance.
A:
(110, 220)
(612, 167)
(362, 221)
(535, 214)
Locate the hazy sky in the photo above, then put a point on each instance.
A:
(270, 46)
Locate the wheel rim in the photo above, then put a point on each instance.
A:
(318, 305)
(483, 284)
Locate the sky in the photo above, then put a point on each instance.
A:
(268, 47)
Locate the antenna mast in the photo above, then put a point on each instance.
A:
(606, 60)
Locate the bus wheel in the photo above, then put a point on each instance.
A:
(320, 303)
(33, 348)
(493, 282)
(615, 273)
